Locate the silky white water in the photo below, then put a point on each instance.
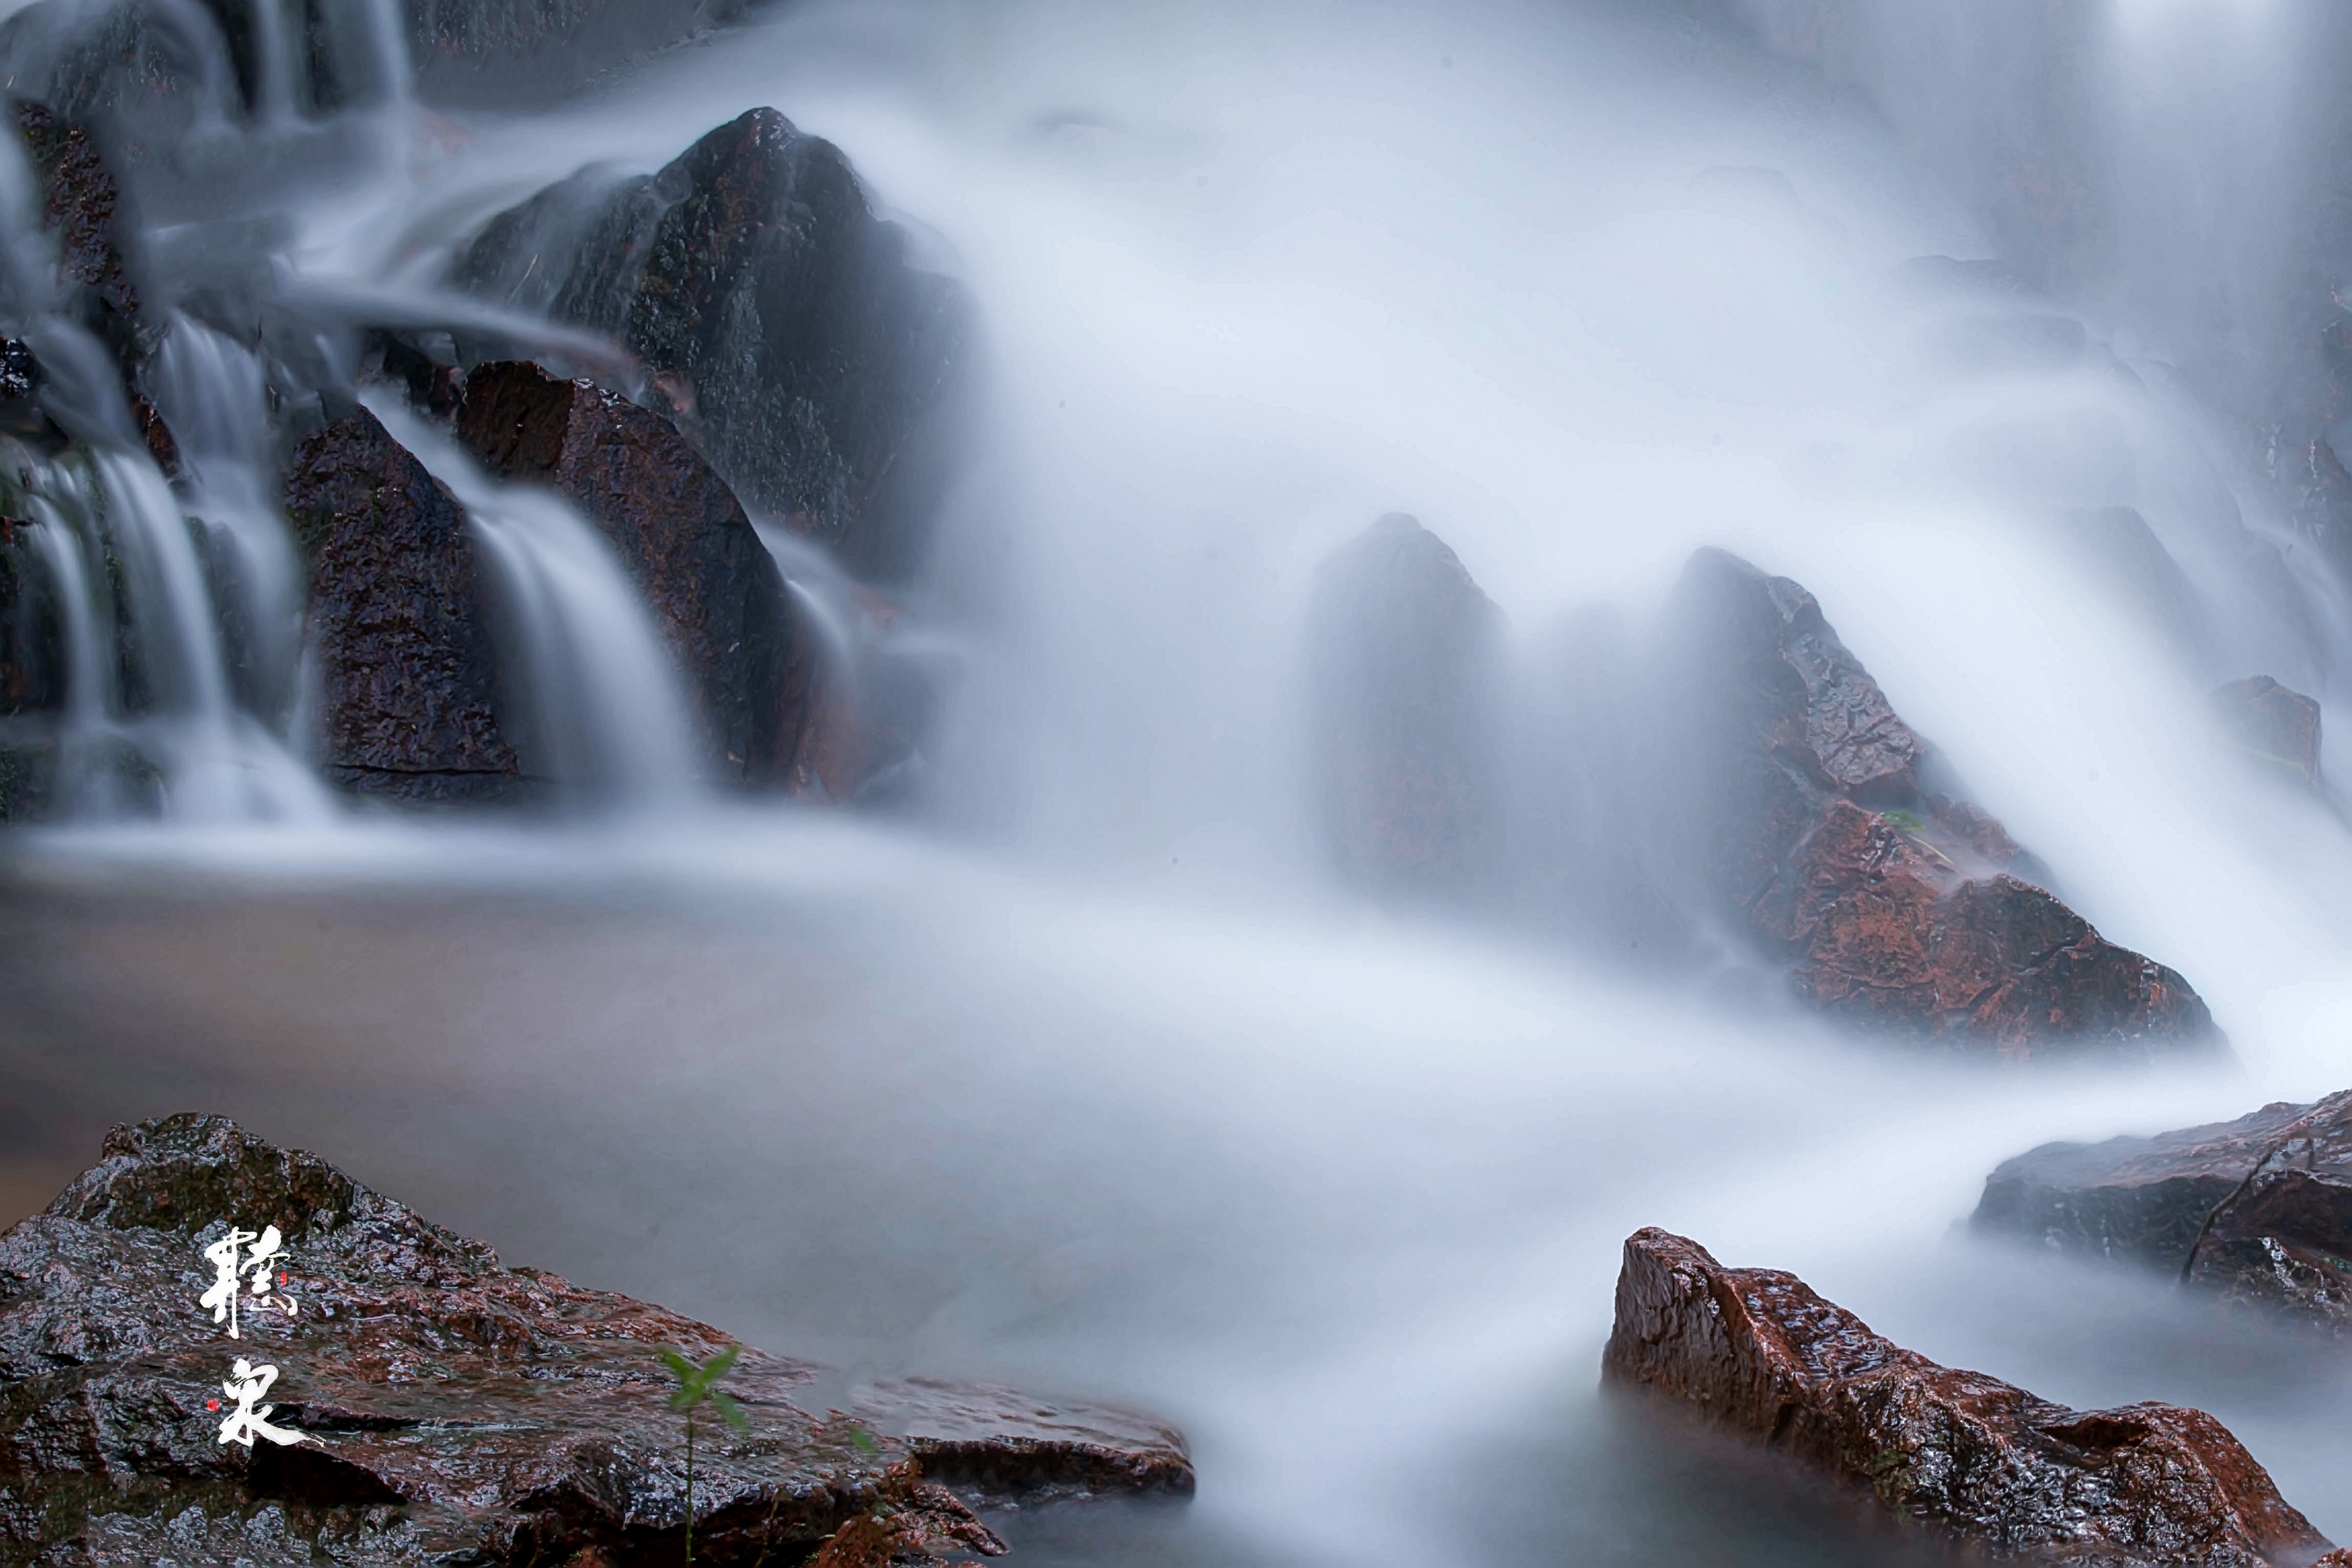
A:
(1089, 1077)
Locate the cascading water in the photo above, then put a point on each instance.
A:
(605, 710)
(1107, 1086)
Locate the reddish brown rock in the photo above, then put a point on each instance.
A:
(81, 208)
(457, 1410)
(1814, 825)
(2258, 1210)
(2279, 727)
(1955, 1454)
(1404, 669)
(717, 597)
(781, 321)
(407, 678)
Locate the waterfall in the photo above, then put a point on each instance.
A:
(603, 714)
(150, 719)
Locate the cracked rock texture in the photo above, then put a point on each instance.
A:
(2001, 1473)
(459, 1410)
(2277, 1186)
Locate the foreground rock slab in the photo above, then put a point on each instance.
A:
(2258, 1210)
(457, 1410)
(2000, 1472)
(1818, 824)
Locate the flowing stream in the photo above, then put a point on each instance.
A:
(1087, 1074)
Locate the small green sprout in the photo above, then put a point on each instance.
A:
(697, 1385)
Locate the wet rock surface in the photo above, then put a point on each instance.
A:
(80, 208)
(407, 678)
(2279, 727)
(717, 597)
(1405, 663)
(2000, 1472)
(1817, 823)
(2258, 1210)
(457, 1410)
(778, 318)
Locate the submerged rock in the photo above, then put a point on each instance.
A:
(2279, 727)
(456, 1410)
(2001, 1472)
(2259, 1209)
(780, 319)
(1404, 651)
(408, 700)
(717, 598)
(1814, 825)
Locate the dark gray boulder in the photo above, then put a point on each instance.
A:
(779, 320)
(410, 703)
(2258, 1211)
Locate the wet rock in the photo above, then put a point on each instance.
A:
(80, 208)
(1958, 1455)
(2115, 545)
(717, 597)
(1404, 665)
(407, 680)
(457, 1410)
(780, 320)
(32, 655)
(1819, 825)
(2258, 1210)
(32, 675)
(2279, 727)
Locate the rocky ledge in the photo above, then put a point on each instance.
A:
(2259, 1209)
(1988, 1465)
(453, 1410)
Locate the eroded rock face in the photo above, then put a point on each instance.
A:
(407, 679)
(1815, 825)
(1956, 1452)
(459, 1410)
(2259, 1209)
(717, 599)
(778, 318)
(1404, 671)
(2278, 726)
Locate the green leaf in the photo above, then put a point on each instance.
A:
(732, 1411)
